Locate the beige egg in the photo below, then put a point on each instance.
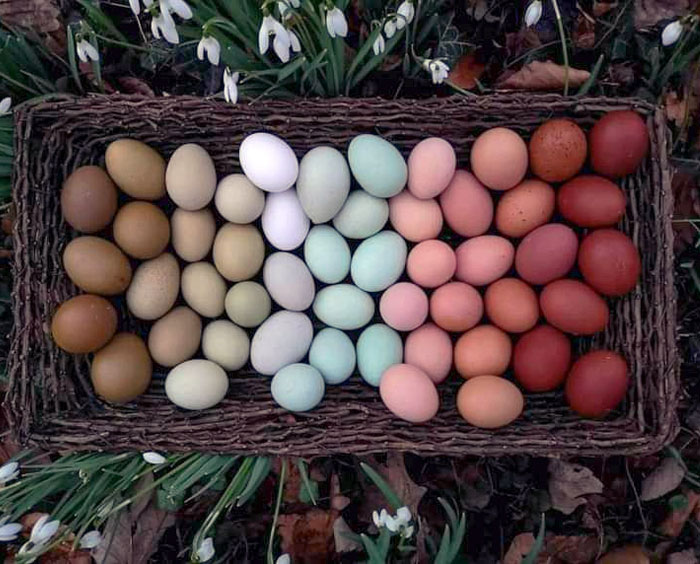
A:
(192, 233)
(196, 384)
(136, 168)
(239, 251)
(238, 200)
(203, 289)
(248, 304)
(226, 344)
(141, 230)
(190, 177)
(96, 266)
(175, 337)
(154, 288)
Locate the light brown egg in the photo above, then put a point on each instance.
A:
(175, 337)
(192, 233)
(489, 401)
(121, 371)
(83, 324)
(136, 168)
(155, 287)
(414, 219)
(142, 230)
(485, 349)
(431, 263)
(525, 207)
(499, 158)
(456, 306)
(88, 199)
(558, 150)
(511, 305)
(239, 251)
(96, 266)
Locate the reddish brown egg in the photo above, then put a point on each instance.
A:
(558, 150)
(547, 253)
(88, 199)
(609, 262)
(512, 305)
(597, 383)
(591, 201)
(541, 359)
(618, 143)
(83, 324)
(573, 307)
(528, 205)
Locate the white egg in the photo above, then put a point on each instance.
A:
(196, 384)
(284, 222)
(284, 338)
(289, 281)
(226, 344)
(269, 162)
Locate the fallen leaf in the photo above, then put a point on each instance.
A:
(545, 75)
(394, 472)
(292, 484)
(133, 85)
(575, 549)
(479, 10)
(665, 478)
(650, 12)
(66, 556)
(686, 206)
(584, 33)
(41, 16)
(683, 557)
(601, 7)
(630, 554)
(115, 547)
(522, 40)
(519, 547)
(674, 522)
(568, 482)
(308, 538)
(342, 537)
(475, 497)
(150, 527)
(622, 73)
(467, 71)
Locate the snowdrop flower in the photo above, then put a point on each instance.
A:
(9, 531)
(406, 532)
(282, 42)
(90, 540)
(86, 51)
(284, 7)
(672, 33)
(406, 12)
(284, 559)
(390, 28)
(164, 25)
(9, 471)
(379, 518)
(43, 530)
(180, 7)
(5, 105)
(135, 6)
(379, 44)
(533, 13)
(294, 40)
(336, 24)
(153, 457)
(403, 515)
(206, 552)
(210, 47)
(437, 68)
(230, 86)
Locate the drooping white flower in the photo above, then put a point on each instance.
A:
(230, 86)
(5, 105)
(9, 531)
(164, 25)
(153, 457)
(90, 540)
(438, 70)
(672, 33)
(180, 7)
(210, 47)
(336, 24)
(9, 471)
(294, 40)
(282, 42)
(380, 518)
(284, 559)
(135, 6)
(391, 523)
(533, 13)
(86, 51)
(406, 12)
(403, 515)
(43, 530)
(407, 532)
(390, 28)
(282, 45)
(379, 44)
(206, 551)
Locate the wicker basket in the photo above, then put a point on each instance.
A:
(51, 402)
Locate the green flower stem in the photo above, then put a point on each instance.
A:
(106, 39)
(565, 51)
(278, 502)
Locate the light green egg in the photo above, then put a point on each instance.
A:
(327, 254)
(323, 183)
(332, 353)
(379, 261)
(378, 348)
(298, 387)
(362, 216)
(344, 306)
(377, 165)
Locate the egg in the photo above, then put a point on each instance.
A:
(456, 306)
(289, 281)
(96, 266)
(343, 306)
(238, 200)
(378, 348)
(203, 289)
(283, 338)
(597, 383)
(196, 384)
(431, 263)
(141, 230)
(431, 166)
(226, 344)
(483, 259)
(609, 262)
(409, 393)
(591, 201)
(323, 183)
(136, 168)
(121, 371)
(525, 207)
(297, 387)
(175, 337)
(573, 307)
(192, 233)
(541, 359)
(466, 205)
(327, 254)
(377, 165)
(378, 261)
(88, 199)
(430, 349)
(190, 178)
(155, 287)
(511, 305)
(284, 222)
(619, 142)
(416, 220)
(499, 158)
(489, 402)
(558, 150)
(247, 304)
(547, 253)
(361, 216)
(269, 162)
(83, 324)
(238, 252)
(332, 353)
(482, 350)
(404, 306)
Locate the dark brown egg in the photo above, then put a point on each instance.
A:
(558, 150)
(597, 383)
(618, 143)
(97, 266)
(573, 307)
(591, 201)
(609, 262)
(141, 230)
(547, 253)
(121, 371)
(88, 199)
(541, 359)
(83, 324)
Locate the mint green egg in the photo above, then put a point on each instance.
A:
(362, 216)
(378, 348)
(327, 254)
(297, 387)
(323, 183)
(379, 261)
(377, 165)
(344, 306)
(332, 353)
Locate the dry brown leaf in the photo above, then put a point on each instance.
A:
(41, 16)
(674, 522)
(683, 557)
(686, 206)
(522, 40)
(394, 472)
(545, 75)
(150, 527)
(467, 71)
(519, 547)
(665, 478)
(571, 549)
(630, 554)
(568, 482)
(650, 12)
(601, 7)
(584, 33)
(133, 85)
(341, 536)
(308, 538)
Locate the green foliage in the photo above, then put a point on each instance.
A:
(453, 535)
(531, 557)
(390, 495)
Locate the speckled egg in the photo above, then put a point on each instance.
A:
(525, 207)
(558, 150)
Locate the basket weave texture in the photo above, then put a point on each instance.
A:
(51, 403)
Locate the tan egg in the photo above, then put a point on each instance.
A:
(190, 177)
(96, 266)
(239, 251)
(525, 207)
(499, 158)
(248, 304)
(482, 350)
(154, 288)
(238, 200)
(192, 233)
(88, 199)
(203, 289)
(489, 401)
(83, 324)
(512, 305)
(142, 230)
(226, 344)
(122, 370)
(136, 168)
(175, 337)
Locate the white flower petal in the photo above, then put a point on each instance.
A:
(214, 51)
(201, 48)
(5, 105)
(266, 27)
(391, 524)
(7, 471)
(181, 8)
(206, 550)
(671, 33)
(80, 50)
(43, 530)
(377, 521)
(153, 457)
(533, 13)
(167, 26)
(284, 559)
(91, 52)
(379, 44)
(155, 27)
(282, 45)
(148, 3)
(294, 40)
(230, 87)
(390, 28)
(329, 25)
(407, 532)
(403, 514)
(9, 531)
(90, 540)
(135, 6)
(406, 11)
(295, 3)
(340, 24)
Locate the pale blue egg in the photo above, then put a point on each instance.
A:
(297, 387)
(362, 215)
(332, 353)
(379, 261)
(377, 165)
(344, 306)
(378, 348)
(327, 254)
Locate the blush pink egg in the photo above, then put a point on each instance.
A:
(466, 205)
(482, 260)
(430, 349)
(547, 253)
(404, 306)
(499, 158)
(431, 263)
(416, 220)
(409, 393)
(431, 166)
(456, 307)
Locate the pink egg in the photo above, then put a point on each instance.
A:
(404, 306)
(456, 306)
(482, 260)
(431, 263)
(431, 166)
(409, 393)
(467, 205)
(499, 158)
(416, 220)
(430, 349)
(547, 253)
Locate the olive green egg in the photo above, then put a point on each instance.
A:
(327, 254)
(332, 353)
(379, 261)
(377, 165)
(378, 348)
